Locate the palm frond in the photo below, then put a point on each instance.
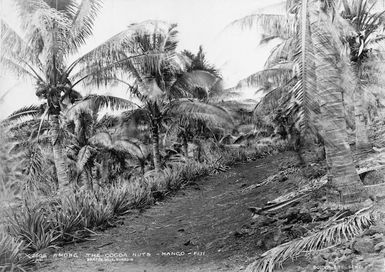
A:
(102, 139)
(271, 24)
(107, 121)
(128, 147)
(197, 79)
(213, 115)
(340, 231)
(25, 112)
(19, 68)
(123, 42)
(106, 71)
(84, 155)
(83, 18)
(95, 103)
(305, 90)
(283, 52)
(45, 25)
(13, 46)
(276, 76)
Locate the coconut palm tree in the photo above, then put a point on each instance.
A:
(53, 31)
(321, 77)
(163, 88)
(96, 139)
(368, 25)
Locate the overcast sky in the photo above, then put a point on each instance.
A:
(200, 22)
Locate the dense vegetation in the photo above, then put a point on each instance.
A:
(74, 163)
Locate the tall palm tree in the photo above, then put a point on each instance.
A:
(163, 87)
(53, 31)
(368, 25)
(321, 77)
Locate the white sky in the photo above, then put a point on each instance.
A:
(200, 22)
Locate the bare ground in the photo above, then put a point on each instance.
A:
(202, 223)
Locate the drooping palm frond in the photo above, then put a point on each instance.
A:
(195, 110)
(129, 147)
(123, 42)
(275, 98)
(95, 103)
(304, 91)
(83, 18)
(28, 130)
(103, 139)
(340, 231)
(106, 71)
(15, 48)
(107, 121)
(25, 112)
(189, 82)
(46, 28)
(276, 76)
(273, 25)
(84, 155)
(283, 52)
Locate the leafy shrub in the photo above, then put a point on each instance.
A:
(68, 220)
(33, 228)
(95, 209)
(11, 256)
(49, 222)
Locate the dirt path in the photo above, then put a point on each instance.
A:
(202, 224)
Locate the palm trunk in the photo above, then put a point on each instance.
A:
(361, 118)
(88, 175)
(342, 172)
(346, 185)
(59, 158)
(184, 145)
(155, 146)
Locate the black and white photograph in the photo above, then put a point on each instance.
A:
(192, 135)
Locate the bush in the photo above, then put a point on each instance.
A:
(68, 218)
(11, 256)
(33, 228)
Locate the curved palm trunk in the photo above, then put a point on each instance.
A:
(59, 157)
(155, 146)
(343, 177)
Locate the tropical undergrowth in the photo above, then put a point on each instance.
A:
(50, 222)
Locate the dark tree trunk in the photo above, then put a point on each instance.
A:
(59, 157)
(185, 145)
(155, 146)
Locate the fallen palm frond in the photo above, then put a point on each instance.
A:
(340, 230)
